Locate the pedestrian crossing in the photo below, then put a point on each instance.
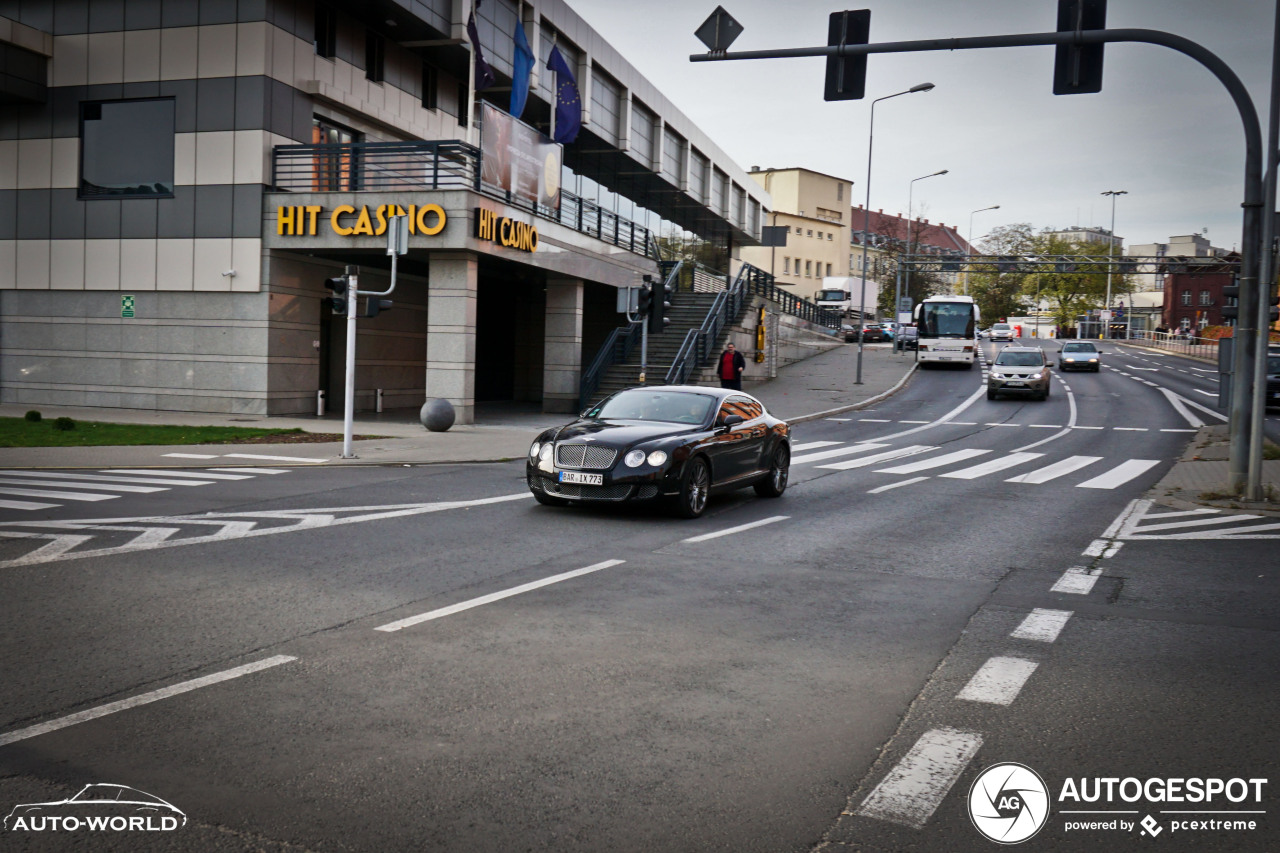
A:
(968, 464)
(52, 489)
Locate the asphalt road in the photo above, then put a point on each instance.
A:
(446, 665)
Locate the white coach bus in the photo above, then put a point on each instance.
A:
(948, 330)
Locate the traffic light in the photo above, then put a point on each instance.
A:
(1077, 68)
(1231, 294)
(372, 306)
(338, 302)
(657, 311)
(645, 303)
(847, 75)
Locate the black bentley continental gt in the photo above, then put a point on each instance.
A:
(677, 443)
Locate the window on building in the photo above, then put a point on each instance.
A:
(819, 235)
(1204, 298)
(126, 148)
(375, 51)
(334, 170)
(810, 234)
(829, 235)
(1186, 297)
(430, 87)
(839, 192)
(786, 266)
(808, 269)
(326, 31)
(828, 269)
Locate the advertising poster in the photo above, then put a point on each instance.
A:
(518, 159)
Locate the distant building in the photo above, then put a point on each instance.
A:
(1193, 293)
(886, 237)
(1187, 246)
(813, 207)
(1087, 235)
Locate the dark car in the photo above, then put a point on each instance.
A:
(850, 333)
(1273, 378)
(874, 333)
(675, 443)
(1079, 355)
(908, 337)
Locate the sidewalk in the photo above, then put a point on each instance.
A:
(814, 388)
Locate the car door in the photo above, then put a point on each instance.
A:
(733, 446)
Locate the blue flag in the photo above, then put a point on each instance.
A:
(521, 68)
(568, 101)
(484, 74)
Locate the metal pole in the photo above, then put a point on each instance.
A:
(911, 185)
(897, 298)
(969, 245)
(349, 396)
(1111, 261)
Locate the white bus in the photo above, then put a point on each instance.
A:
(948, 330)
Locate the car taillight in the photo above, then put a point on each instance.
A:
(968, 349)
(923, 347)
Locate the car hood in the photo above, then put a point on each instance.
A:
(621, 433)
(1079, 354)
(1014, 370)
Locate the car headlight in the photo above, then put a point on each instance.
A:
(545, 453)
(533, 450)
(1036, 376)
(1093, 361)
(634, 459)
(1071, 360)
(657, 457)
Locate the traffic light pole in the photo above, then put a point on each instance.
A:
(349, 393)
(1247, 352)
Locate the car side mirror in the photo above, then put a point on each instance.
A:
(731, 421)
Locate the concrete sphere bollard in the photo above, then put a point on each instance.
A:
(437, 415)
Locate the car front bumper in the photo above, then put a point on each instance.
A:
(1023, 386)
(617, 486)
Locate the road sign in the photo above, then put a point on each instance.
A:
(1105, 315)
(126, 305)
(718, 31)
(904, 305)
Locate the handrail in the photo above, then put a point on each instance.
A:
(679, 371)
(1206, 348)
(616, 348)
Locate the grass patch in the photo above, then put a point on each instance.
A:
(19, 432)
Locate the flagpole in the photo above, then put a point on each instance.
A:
(555, 88)
(471, 87)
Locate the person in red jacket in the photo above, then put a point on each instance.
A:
(731, 366)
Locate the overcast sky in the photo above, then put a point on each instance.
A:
(1163, 128)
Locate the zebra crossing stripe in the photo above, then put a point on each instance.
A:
(879, 457)
(197, 475)
(935, 462)
(58, 484)
(92, 480)
(813, 445)
(831, 454)
(66, 496)
(1057, 469)
(27, 505)
(1121, 474)
(991, 467)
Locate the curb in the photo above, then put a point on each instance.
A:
(870, 401)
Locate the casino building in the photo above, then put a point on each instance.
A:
(179, 178)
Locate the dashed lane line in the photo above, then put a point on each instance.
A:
(998, 681)
(1076, 581)
(740, 528)
(917, 785)
(1042, 625)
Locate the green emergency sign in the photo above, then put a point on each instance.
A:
(126, 305)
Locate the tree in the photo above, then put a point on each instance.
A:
(1069, 294)
(676, 245)
(999, 294)
(922, 284)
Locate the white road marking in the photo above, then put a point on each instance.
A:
(917, 785)
(1213, 394)
(874, 421)
(192, 455)
(1003, 425)
(991, 467)
(25, 505)
(961, 423)
(494, 596)
(142, 699)
(253, 470)
(915, 422)
(813, 445)
(935, 462)
(60, 484)
(1057, 469)
(838, 420)
(879, 457)
(66, 496)
(897, 485)
(1198, 522)
(1119, 475)
(1204, 370)
(96, 478)
(1177, 430)
(741, 527)
(999, 681)
(1085, 427)
(166, 472)
(1103, 548)
(1144, 368)
(1075, 580)
(862, 447)
(272, 458)
(1042, 625)
(1130, 429)
(1045, 426)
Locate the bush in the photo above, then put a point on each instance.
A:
(33, 416)
(64, 424)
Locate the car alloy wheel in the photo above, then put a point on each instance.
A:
(779, 473)
(692, 500)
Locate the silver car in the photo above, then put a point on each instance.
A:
(1001, 332)
(1079, 355)
(1019, 370)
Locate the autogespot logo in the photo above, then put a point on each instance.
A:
(98, 807)
(1009, 803)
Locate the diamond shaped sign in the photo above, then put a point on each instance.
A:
(718, 31)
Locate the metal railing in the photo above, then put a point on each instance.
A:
(617, 348)
(1206, 348)
(760, 283)
(443, 165)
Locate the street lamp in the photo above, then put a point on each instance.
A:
(969, 244)
(897, 294)
(1111, 253)
(866, 219)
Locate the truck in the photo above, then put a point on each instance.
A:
(840, 293)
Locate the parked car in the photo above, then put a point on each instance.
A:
(849, 332)
(1079, 355)
(873, 333)
(1019, 370)
(1001, 332)
(1273, 377)
(908, 337)
(676, 443)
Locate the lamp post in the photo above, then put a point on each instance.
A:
(911, 185)
(969, 245)
(1111, 262)
(866, 219)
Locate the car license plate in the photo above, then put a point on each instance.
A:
(582, 479)
(1016, 384)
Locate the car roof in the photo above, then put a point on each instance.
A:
(1022, 349)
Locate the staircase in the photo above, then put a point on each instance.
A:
(687, 311)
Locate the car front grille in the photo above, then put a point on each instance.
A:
(585, 456)
(586, 493)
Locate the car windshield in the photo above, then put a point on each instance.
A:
(832, 295)
(1001, 327)
(641, 404)
(1079, 348)
(1020, 359)
(946, 320)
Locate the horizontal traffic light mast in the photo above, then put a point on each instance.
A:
(1068, 264)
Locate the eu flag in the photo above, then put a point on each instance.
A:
(568, 101)
(521, 68)
(484, 74)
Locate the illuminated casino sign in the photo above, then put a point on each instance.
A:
(348, 221)
(506, 231)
